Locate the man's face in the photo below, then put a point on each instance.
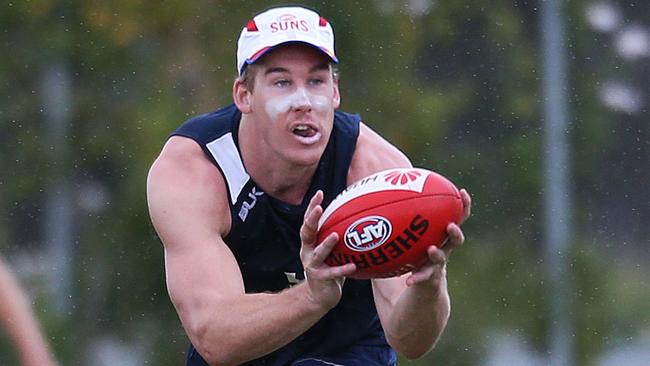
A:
(293, 102)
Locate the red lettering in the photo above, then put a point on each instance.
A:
(283, 25)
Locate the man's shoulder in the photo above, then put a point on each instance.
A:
(347, 123)
(208, 126)
(226, 112)
(374, 153)
(346, 116)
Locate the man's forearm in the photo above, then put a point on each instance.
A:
(418, 318)
(253, 325)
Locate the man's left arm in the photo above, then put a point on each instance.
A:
(413, 308)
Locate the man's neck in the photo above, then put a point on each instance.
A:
(278, 177)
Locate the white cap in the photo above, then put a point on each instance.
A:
(282, 25)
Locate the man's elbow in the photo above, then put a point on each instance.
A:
(413, 354)
(214, 355)
(202, 330)
(413, 348)
(219, 352)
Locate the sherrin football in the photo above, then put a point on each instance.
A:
(386, 221)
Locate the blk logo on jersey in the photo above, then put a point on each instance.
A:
(246, 206)
(368, 233)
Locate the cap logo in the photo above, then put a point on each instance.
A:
(286, 18)
(289, 22)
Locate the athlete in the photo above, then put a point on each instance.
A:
(20, 323)
(236, 195)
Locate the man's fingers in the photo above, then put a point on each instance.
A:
(324, 249)
(435, 268)
(340, 271)
(316, 200)
(467, 204)
(309, 227)
(333, 273)
(455, 238)
(420, 275)
(317, 266)
(437, 256)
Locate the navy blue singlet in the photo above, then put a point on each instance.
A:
(264, 238)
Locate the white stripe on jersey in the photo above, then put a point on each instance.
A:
(225, 153)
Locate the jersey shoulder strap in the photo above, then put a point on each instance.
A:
(216, 133)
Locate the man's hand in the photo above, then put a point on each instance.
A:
(324, 283)
(436, 268)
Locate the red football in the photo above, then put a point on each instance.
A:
(386, 221)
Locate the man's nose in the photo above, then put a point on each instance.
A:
(300, 100)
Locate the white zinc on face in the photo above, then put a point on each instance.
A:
(300, 98)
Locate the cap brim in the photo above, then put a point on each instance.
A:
(257, 55)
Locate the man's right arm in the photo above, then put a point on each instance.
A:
(188, 205)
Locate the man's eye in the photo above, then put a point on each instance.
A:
(316, 81)
(282, 83)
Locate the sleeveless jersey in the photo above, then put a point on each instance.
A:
(264, 235)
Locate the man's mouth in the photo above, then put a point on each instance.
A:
(306, 134)
(304, 131)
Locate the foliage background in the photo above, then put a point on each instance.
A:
(455, 84)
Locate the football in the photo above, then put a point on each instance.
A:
(386, 221)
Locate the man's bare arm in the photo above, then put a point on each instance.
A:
(188, 205)
(413, 308)
(20, 323)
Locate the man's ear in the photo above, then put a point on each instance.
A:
(337, 94)
(241, 96)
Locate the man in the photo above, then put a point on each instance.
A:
(20, 323)
(236, 195)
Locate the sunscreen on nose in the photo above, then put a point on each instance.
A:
(300, 98)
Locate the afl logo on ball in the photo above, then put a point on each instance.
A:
(368, 233)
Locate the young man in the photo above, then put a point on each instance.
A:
(236, 195)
